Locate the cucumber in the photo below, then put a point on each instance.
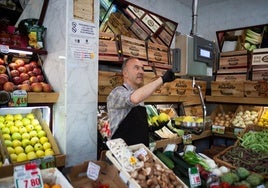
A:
(165, 159)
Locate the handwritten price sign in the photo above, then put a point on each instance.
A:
(29, 182)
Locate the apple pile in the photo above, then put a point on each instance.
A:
(24, 137)
(4, 78)
(27, 76)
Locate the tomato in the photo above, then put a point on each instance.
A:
(225, 185)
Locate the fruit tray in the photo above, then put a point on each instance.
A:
(140, 150)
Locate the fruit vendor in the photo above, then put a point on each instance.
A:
(125, 103)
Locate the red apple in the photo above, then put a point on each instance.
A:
(9, 86)
(25, 87)
(26, 82)
(19, 62)
(21, 69)
(36, 87)
(46, 87)
(34, 64)
(3, 78)
(14, 73)
(13, 66)
(40, 78)
(17, 80)
(37, 71)
(28, 67)
(2, 69)
(24, 76)
(2, 62)
(31, 73)
(33, 79)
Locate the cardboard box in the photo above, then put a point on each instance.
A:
(43, 115)
(50, 175)
(108, 174)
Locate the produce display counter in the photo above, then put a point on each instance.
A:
(34, 97)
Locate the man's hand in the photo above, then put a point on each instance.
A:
(169, 76)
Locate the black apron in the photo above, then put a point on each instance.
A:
(134, 128)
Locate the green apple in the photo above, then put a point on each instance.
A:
(41, 133)
(33, 133)
(25, 136)
(46, 145)
(40, 153)
(29, 127)
(29, 148)
(34, 140)
(22, 130)
(31, 155)
(26, 121)
(30, 116)
(10, 150)
(35, 122)
(6, 136)
(5, 130)
(22, 157)
(14, 129)
(9, 117)
(25, 142)
(13, 157)
(2, 124)
(18, 150)
(38, 127)
(9, 123)
(16, 143)
(16, 136)
(38, 146)
(8, 143)
(2, 118)
(43, 139)
(18, 123)
(18, 117)
(49, 152)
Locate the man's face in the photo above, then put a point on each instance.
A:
(133, 73)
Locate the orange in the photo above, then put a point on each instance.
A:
(56, 186)
(46, 185)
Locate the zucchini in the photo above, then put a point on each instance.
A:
(165, 159)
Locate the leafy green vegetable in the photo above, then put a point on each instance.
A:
(242, 172)
(229, 177)
(192, 158)
(255, 179)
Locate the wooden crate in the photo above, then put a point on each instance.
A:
(224, 88)
(231, 77)
(158, 53)
(131, 47)
(108, 81)
(108, 47)
(255, 88)
(260, 57)
(140, 30)
(259, 75)
(234, 59)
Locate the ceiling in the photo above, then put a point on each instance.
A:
(200, 3)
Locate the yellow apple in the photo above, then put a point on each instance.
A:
(46, 145)
(6, 136)
(35, 122)
(41, 133)
(16, 136)
(16, 143)
(33, 133)
(40, 153)
(5, 130)
(31, 155)
(10, 150)
(9, 117)
(34, 140)
(38, 146)
(18, 123)
(49, 152)
(2, 124)
(2, 118)
(18, 117)
(38, 128)
(30, 116)
(13, 129)
(25, 142)
(13, 157)
(21, 157)
(43, 139)
(9, 123)
(8, 143)
(29, 127)
(29, 148)
(22, 130)
(25, 136)
(26, 121)
(18, 150)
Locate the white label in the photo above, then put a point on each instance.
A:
(93, 171)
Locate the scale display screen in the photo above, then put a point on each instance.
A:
(203, 50)
(204, 53)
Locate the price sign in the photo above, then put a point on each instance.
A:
(93, 171)
(27, 176)
(19, 98)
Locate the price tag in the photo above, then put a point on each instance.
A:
(27, 176)
(93, 171)
(187, 139)
(140, 151)
(218, 129)
(19, 98)
(238, 131)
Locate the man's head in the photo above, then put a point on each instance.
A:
(132, 70)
